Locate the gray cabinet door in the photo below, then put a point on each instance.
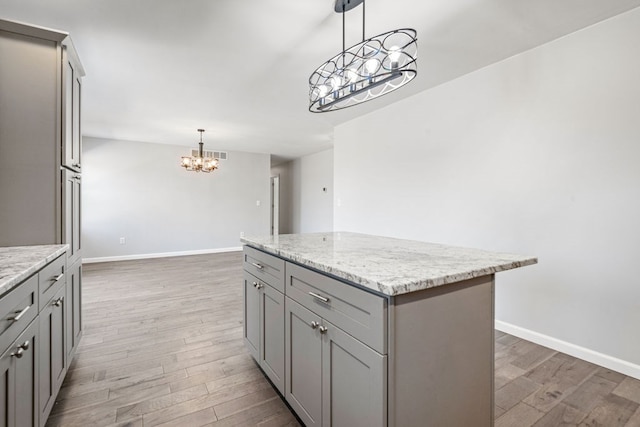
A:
(27, 380)
(303, 349)
(72, 186)
(73, 308)
(252, 315)
(19, 380)
(71, 88)
(53, 356)
(272, 335)
(353, 381)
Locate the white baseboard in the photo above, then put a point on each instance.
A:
(159, 255)
(583, 353)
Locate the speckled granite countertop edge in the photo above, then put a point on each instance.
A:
(387, 265)
(18, 263)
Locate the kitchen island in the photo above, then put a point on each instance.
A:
(361, 330)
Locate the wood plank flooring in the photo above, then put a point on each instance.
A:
(162, 346)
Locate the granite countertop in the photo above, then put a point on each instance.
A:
(19, 262)
(387, 265)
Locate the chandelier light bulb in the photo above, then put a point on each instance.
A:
(371, 65)
(394, 56)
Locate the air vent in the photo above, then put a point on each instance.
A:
(220, 155)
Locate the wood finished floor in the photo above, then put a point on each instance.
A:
(163, 346)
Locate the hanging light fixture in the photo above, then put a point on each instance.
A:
(200, 163)
(367, 70)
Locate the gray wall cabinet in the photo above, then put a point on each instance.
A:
(354, 357)
(40, 137)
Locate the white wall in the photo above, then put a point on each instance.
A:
(538, 154)
(138, 191)
(306, 193)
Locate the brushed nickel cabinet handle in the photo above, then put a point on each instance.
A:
(58, 302)
(255, 284)
(320, 297)
(20, 314)
(21, 349)
(314, 324)
(58, 277)
(260, 286)
(258, 266)
(323, 329)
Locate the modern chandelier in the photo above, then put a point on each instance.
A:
(200, 163)
(367, 70)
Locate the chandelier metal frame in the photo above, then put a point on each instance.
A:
(200, 163)
(365, 71)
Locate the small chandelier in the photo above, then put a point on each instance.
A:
(367, 70)
(200, 163)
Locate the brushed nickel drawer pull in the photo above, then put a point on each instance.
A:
(58, 302)
(58, 277)
(20, 314)
(258, 266)
(321, 298)
(323, 329)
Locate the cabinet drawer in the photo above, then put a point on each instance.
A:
(51, 279)
(265, 267)
(17, 309)
(362, 314)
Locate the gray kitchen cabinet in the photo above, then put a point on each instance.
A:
(333, 379)
(264, 327)
(73, 309)
(34, 332)
(40, 123)
(53, 354)
(19, 380)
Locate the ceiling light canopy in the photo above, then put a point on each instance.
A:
(200, 163)
(367, 70)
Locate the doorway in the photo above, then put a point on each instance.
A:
(275, 205)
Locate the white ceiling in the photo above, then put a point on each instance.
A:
(159, 69)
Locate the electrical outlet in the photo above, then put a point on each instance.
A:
(122, 241)
(257, 202)
(242, 234)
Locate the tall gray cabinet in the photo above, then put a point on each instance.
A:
(40, 173)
